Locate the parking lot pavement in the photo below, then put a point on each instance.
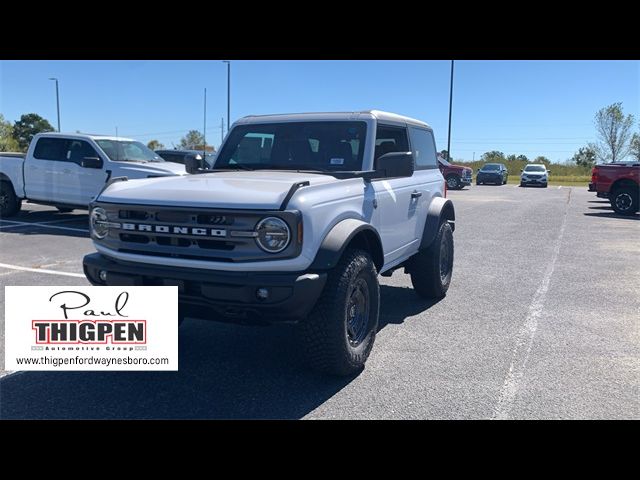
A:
(541, 321)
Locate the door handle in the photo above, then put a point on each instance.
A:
(416, 194)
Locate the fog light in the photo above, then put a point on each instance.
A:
(262, 293)
(103, 275)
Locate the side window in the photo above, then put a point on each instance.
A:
(424, 148)
(51, 149)
(79, 149)
(390, 139)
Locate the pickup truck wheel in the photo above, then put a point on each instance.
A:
(431, 269)
(10, 204)
(64, 210)
(624, 200)
(339, 333)
(453, 182)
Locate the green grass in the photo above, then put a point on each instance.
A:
(564, 180)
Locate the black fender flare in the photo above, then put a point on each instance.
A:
(440, 210)
(343, 234)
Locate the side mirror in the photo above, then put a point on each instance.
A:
(478, 170)
(548, 171)
(395, 165)
(521, 171)
(192, 163)
(91, 162)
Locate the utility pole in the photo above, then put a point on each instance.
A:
(204, 131)
(57, 100)
(228, 93)
(474, 156)
(450, 106)
(221, 130)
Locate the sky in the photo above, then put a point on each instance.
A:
(529, 107)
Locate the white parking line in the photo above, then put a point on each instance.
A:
(41, 270)
(524, 340)
(40, 225)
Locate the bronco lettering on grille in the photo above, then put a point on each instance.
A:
(199, 231)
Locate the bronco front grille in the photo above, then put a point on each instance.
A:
(198, 234)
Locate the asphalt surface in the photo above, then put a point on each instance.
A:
(542, 320)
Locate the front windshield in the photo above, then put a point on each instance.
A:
(318, 146)
(490, 167)
(128, 151)
(534, 168)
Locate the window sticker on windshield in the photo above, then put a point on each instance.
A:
(337, 161)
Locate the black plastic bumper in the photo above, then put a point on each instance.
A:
(210, 294)
(489, 178)
(592, 187)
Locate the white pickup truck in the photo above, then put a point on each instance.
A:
(69, 170)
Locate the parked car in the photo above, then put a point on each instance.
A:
(68, 170)
(300, 215)
(619, 182)
(180, 156)
(534, 174)
(457, 177)
(495, 173)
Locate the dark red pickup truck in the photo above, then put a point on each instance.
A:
(456, 176)
(620, 183)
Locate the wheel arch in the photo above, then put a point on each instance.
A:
(349, 233)
(440, 210)
(623, 182)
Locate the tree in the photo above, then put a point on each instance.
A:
(542, 159)
(192, 139)
(613, 130)
(7, 142)
(522, 158)
(29, 125)
(155, 145)
(511, 158)
(584, 157)
(444, 154)
(208, 148)
(635, 146)
(493, 156)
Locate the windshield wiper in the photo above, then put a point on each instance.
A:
(237, 166)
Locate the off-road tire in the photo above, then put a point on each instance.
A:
(429, 278)
(324, 333)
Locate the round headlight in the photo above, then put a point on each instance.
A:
(273, 234)
(99, 225)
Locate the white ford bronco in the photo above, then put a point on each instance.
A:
(294, 223)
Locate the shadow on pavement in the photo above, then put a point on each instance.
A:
(226, 371)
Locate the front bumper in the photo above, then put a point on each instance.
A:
(210, 294)
(533, 181)
(489, 178)
(465, 181)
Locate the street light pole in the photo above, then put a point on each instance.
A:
(450, 105)
(228, 93)
(57, 101)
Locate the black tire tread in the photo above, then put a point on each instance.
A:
(323, 334)
(425, 268)
(17, 203)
